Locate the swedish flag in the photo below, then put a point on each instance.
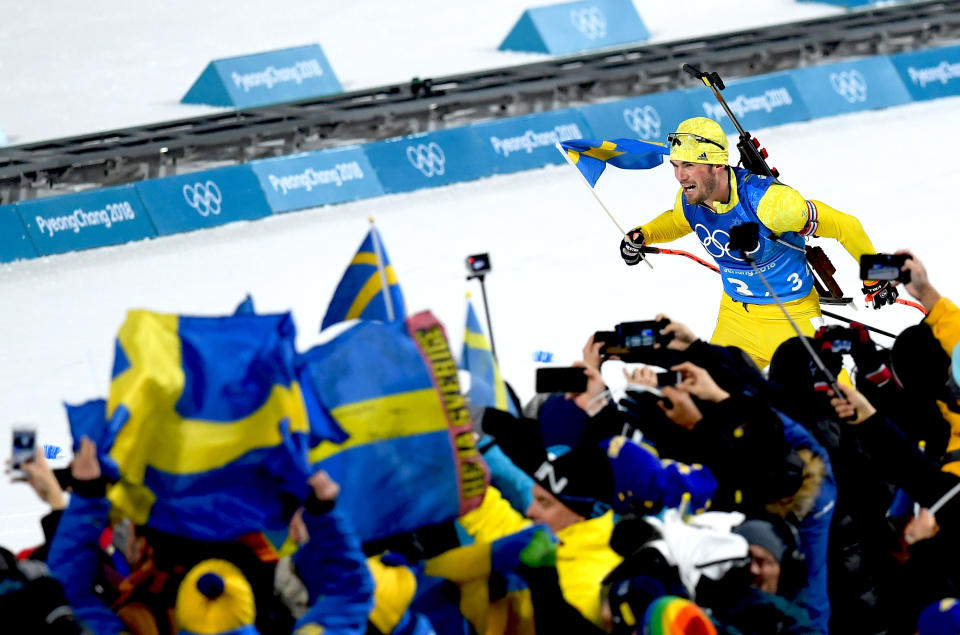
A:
(360, 292)
(208, 427)
(409, 459)
(591, 157)
(486, 385)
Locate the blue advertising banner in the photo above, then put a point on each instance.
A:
(864, 84)
(98, 218)
(528, 142)
(14, 242)
(429, 159)
(312, 179)
(576, 26)
(203, 199)
(931, 73)
(265, 78)
(758, 102)
(650, 117)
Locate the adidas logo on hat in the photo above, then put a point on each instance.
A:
(702, 157)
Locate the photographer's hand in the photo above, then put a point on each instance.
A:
(681, 410)
(683, 337)
(591, 353)
(86, 466)
(698, 382)
(853, 407)
(643, 376)
(41, 478)
(591, 400)
(919, 286)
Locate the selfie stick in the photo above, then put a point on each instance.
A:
(486, 310)
(594, 192)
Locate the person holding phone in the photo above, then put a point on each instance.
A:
(715, 197)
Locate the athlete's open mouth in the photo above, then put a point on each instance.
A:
(689, 187)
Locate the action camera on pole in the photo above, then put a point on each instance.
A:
(478, 265)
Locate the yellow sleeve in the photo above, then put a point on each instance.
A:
(944, 319)
(783, 209)
(668, 226)
(494, 518)
(847, 230)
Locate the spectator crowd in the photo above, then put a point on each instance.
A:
(730, 499)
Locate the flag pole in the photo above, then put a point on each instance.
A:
(384, 286)
(596, 196)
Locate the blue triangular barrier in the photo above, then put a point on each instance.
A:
(576, 26)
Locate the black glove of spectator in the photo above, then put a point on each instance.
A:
(631, 253)
(880, 292)
(865, 355)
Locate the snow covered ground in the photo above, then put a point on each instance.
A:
(557, 273)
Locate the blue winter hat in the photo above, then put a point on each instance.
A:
(562, 422)
(693, 484)
(638, 477)
(940, 618)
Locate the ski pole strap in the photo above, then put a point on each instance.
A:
(915, 305)
(679, 252)
(848, 321)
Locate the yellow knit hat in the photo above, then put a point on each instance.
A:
(214, 597)
(699, 140)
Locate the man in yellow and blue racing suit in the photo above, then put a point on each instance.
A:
(714, 197)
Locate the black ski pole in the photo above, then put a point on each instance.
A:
(866, 326)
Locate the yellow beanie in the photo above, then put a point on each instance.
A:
(214, 597)
(686, 146)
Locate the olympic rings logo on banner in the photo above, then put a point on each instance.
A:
(851, 85)
(428, 158)
(717, 243)
(590, 21)
(644, 121)
(203, 197)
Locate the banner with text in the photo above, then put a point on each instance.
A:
(576, 26)
(203, 199)
(429, 159)
(14, 242)
(319, 178)
(864, 84)
(265, 78)
(930, 73)
(528, 142)
(99, 218)
(758, 102)
(650, 117)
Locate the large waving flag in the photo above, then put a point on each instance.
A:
(591, 157)
(410, 459)
(486, 384)
(360, 292)
(206, 424)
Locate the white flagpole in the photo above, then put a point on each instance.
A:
(384, 286)
(596, 196)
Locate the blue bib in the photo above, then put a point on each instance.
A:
(784, 268)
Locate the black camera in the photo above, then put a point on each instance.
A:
(642, 334)
(884, 267)
(744, 238)
(669, 378)
(572, 379)
(478, 265)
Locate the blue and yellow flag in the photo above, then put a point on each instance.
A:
(360, 292)
(410, 459)
(211, 431)
(591, 157)
(486, 384)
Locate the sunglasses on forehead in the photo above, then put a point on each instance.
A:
(674, 139)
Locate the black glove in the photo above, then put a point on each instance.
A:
(631, 254)
(865, 355)
(880, 292)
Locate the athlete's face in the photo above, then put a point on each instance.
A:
(701, 182)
